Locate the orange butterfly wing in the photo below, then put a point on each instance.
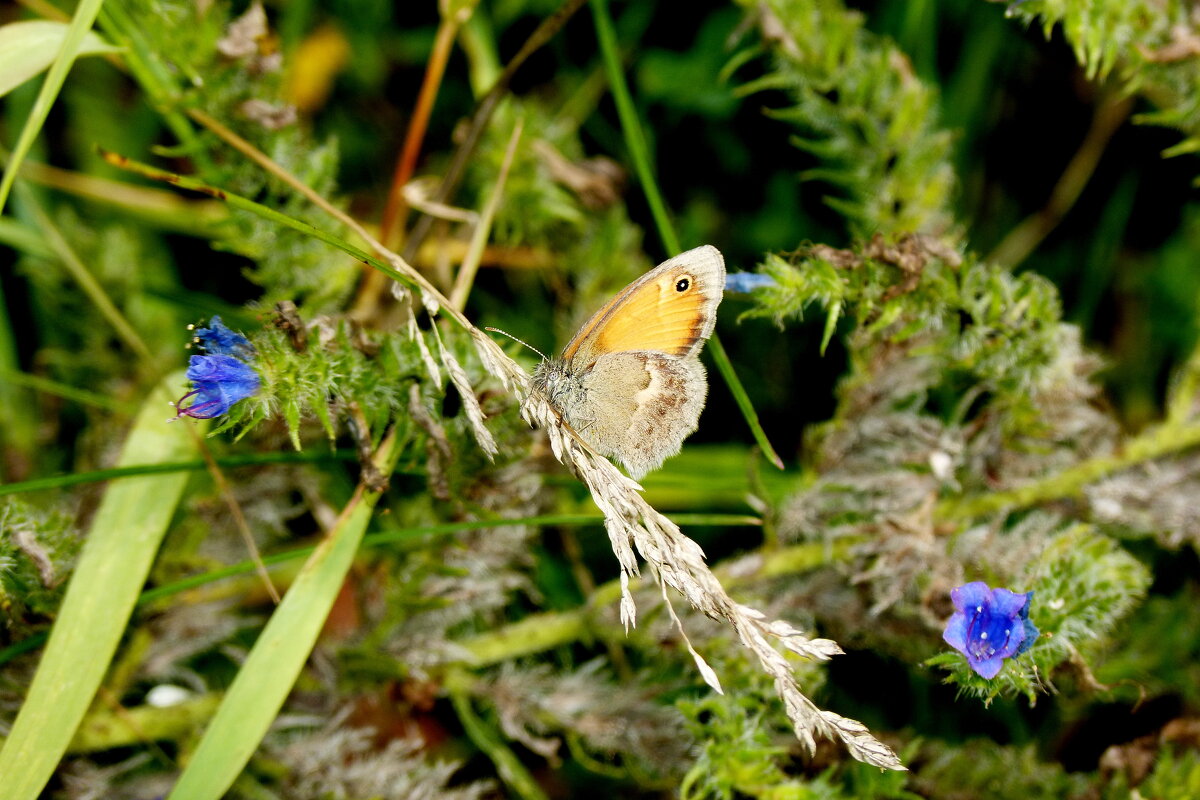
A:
(671, 309)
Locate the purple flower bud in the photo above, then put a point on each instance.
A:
(747, 281)
(989, 625)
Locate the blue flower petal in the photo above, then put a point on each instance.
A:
(219, 381)
(221, 340)
(1008, 603)
(955, 634)
(747, 281)
(970, 596)
(989, 626)
(988, 668)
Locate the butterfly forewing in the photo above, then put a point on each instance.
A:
(671, 309)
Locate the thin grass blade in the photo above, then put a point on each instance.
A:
(639, 152)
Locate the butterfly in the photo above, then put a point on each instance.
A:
(630, 382)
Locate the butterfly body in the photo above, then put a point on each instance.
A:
(630, 382)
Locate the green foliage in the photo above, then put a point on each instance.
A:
(744, 756)
(1160, 651)
(1149, 46)
(862, 113)
(739, 757)
(175, 43)
(340, 365)
(581, 226)
(973, 325)
(983, 768)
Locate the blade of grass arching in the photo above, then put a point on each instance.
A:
(158, 208)
(635, 140)
(275, 661)
(725, 367)
(245, 204)
(81, 24)
(631, 126)
(113, 565)
(409, 277)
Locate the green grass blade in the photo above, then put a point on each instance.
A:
(631, 125)
(17, 426)
(81, 24)
(725, 367)
(639, 152)
(275, 661)
(79, 272)
(116, 557)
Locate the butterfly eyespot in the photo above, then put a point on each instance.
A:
(682, 285)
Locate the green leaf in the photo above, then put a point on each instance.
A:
(27, 48)
(115, 560)
(831, 321)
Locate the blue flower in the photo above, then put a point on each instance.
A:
(747, 282)
(221, 341)
(989, 625)
(221, 377)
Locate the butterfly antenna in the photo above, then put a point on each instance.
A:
(518, 341)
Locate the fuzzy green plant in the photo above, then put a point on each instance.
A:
(1149, 48)
(169, 45)
(860, 111)
(37, 551)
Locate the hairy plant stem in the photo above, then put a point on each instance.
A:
(508, 766)
(1164, 440)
